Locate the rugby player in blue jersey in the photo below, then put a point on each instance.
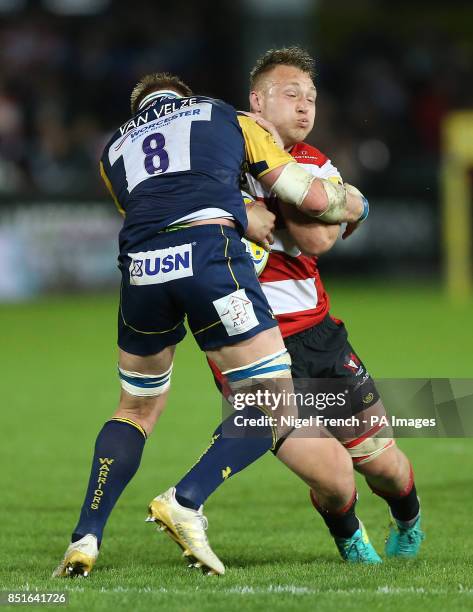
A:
(282, 90)
(173, 171)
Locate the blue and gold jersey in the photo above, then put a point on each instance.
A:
(181, 155)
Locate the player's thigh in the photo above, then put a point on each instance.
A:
(236, 355)
(156, 363)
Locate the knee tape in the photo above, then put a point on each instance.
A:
(362, 450)
(277, 365)
(145, 385)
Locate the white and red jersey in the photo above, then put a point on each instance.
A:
(291, 280)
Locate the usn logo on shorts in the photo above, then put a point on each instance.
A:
(236, 312)
(160, 266)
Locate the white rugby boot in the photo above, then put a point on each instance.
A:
(79, 558)
(187, 528)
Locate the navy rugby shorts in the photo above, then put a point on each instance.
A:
(202, 272)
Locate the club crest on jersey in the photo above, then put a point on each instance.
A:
(236, 312)
(258, 255)
(160, 266)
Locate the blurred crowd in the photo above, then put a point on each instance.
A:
(65, 84)
(385, 87)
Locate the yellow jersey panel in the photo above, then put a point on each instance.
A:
(262, 153)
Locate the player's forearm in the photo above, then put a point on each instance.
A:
(318, 240)
(339, 206)
(315, 197)
(311, 237)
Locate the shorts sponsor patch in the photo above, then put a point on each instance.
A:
(160, 266)
(236, 312)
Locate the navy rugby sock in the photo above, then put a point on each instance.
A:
(117, 456)
(232, 449)
(344, 522)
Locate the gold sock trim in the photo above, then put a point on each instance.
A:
(133, 423)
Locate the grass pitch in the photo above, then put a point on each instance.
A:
(59, 385)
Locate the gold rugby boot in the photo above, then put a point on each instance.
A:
(79, 558)
(187, 528)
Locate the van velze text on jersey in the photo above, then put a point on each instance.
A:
(160, 266)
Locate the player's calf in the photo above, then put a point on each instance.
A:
(323, 464)
(348, 531)
(388, 471)
(391, 477)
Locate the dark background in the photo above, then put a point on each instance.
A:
(387, 76)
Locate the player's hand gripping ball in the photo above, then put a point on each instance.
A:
(258, 254)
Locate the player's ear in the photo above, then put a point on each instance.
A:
(255, 102)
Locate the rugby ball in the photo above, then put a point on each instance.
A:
(258, 255)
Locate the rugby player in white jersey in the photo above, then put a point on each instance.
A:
(283, 92)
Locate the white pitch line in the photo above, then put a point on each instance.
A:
(278, 588)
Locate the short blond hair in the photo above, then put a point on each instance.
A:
(154, 82)
(286, 56)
